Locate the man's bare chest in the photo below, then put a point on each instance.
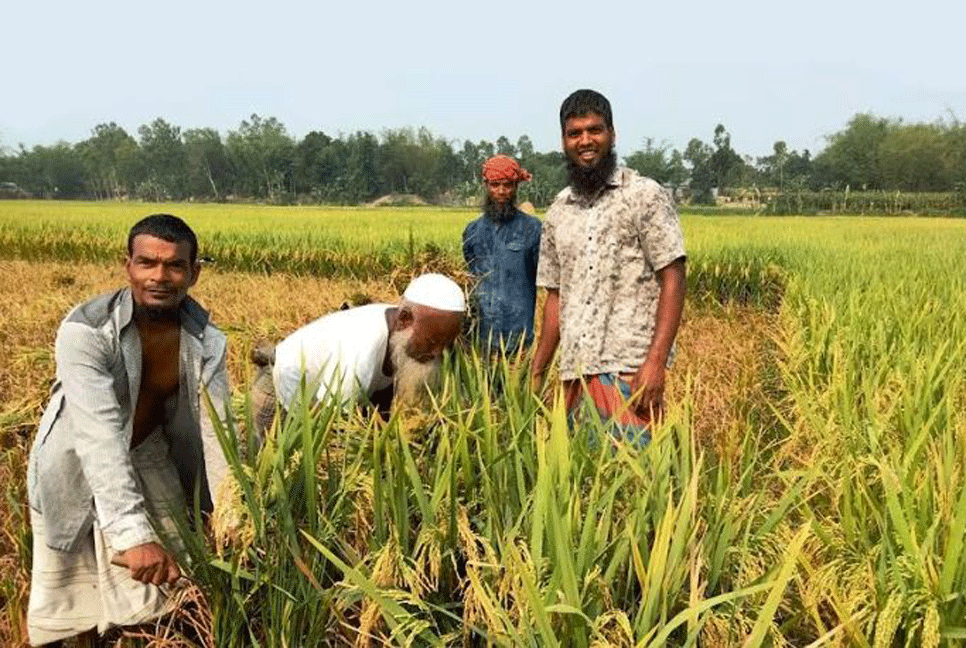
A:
(160, 379)
(160, 364)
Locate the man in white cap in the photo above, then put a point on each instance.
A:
(377, 353)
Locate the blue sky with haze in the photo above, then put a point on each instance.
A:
(766, 70)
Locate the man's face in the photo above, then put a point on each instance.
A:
(433, 331)
(587, 140)
(160, 272)
(417, 351)
(501, 192)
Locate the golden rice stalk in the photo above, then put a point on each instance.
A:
(231, 522)
(613, 630)
(888, 622)
(930, 627)
(387, 573)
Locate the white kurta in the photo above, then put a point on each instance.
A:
(340, 354)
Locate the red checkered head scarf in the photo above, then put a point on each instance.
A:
(502, 167)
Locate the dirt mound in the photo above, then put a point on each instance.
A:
(398, 200)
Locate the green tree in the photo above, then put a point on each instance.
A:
(113, 161)
(316, 163)
(911, 158)
(505, 147)
(702, 178)
(358, 181)
(486, 149)
(471, 161)
(206, 163)
(164, 160)
(549, 177)
(726, 165)
(54, 172)
(852, 155)
(262, 154)
(659, 163)
(525, 147)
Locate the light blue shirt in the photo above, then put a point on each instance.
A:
(80, 464)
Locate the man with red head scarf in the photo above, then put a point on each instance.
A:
(501, 249)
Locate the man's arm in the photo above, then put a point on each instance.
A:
(101, 434)
(214, 388)
(649, 379)
(468, 255)
(534, 253)
(549, 337)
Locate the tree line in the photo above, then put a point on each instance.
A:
(261, 161)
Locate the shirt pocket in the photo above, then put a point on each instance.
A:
(516, 246)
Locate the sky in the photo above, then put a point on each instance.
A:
(767, 70)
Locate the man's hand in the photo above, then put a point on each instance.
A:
(150, 563)
(647, 390)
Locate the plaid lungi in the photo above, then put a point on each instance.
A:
(607, 396)
(72, 592)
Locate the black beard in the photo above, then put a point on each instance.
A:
(497, 212)
(588, 182)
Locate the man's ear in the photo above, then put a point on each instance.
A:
(196, 270)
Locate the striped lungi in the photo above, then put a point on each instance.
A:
(607, 395)
(72, 592)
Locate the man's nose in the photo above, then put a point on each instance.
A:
(159, 273)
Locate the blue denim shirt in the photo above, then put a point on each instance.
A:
(503, 257)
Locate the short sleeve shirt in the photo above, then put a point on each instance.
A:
(601, 254)
(341, 356)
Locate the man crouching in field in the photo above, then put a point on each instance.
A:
(125, 435)
(380, 353)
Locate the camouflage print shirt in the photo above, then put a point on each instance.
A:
(601, 254)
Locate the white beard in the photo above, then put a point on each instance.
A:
(412, 380)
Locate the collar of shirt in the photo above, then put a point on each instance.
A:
(194, 318)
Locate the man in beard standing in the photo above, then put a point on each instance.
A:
(612, 260)
(377, 353)
(501, 249)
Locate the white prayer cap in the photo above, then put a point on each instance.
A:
(436, 291)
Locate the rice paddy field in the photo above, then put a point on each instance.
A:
(807, 488)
